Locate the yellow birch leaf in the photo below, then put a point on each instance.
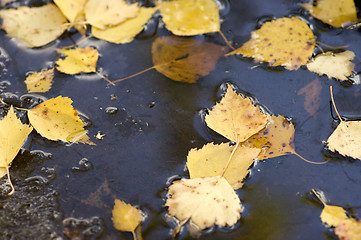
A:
(101, 14)
(336, 13)
(125, 216)
(126, 31)
(205, 201)
(334, 65)
(2, 172)
(56, 119)
(185, 59)
(40, 81)
(277, 138)
(71, 8)
(333, 215)
(346, 139)
(190, 17)
(210, 160)
(36, 26)
(236, 117)
(78, 60)
(349, 229)
(287, 42)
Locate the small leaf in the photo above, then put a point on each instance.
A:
(78, 60)
(40, 81)
(71, 8)
(127, 30)
(205, 201)
(211, 159)
(235, 117)
(312, 92)
(287, 42)
(185, 59)
(36, 26)
(336, 13)
(334, 65)
(349, 229)
(333, 215)
(189, 17)
(56, 119)
(125, 216)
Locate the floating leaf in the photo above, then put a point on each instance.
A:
(205, 201)
(349, 229)
(333, 215)
(56, 119)
(101, 14)
(40, 81)
(78, 60)
(312, 93)
(36, 26)
(71, 8)
(127, 30)
(334, 65)
(288, 42)
(277, 138)
(12, 136)
(125, 216)
(211, 159)
(236, 117)
(336, 13)
(190, 17)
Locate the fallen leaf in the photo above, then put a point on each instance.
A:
(333, 215)
(287, 42)
(205, 201)
(211, 159)
(56, 119)
(336, 13)
(126, 31)
(185, 59)
(40, 81)
(36, 26)
(102, 14)
(190, 17)
(71, 8)
(125, 216)
(78, 60)
(349, 229)
(236, 117)
(312, 92)
(334, 65)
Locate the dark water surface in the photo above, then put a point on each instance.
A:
(150, 123)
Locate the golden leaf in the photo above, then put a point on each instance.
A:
(185, 59)
(336, 13)
(125, 216)
(78, 60)
(288, 42)
(211, 159)
(40, 81)
(56, 119)
(277, 138)
(334, 65)
(126, 31)
(312, 92)
(71, 8)
(190, 17)
(36, 26)
(205, 201)
(349, 229)
(235, 117)
(101, 14)
(333, 215)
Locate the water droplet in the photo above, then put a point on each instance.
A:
(83, 166)
(111, 110)
(152, 104)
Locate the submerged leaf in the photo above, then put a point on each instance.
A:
(125, 216)
(36, 26)
(236, 117)
(127, 30)
(56, 119)
(334, 65)
(287, 42)
(312, 92)
(185, 59)
(205, 201)
(40, 81)
(211, 159)
(336, 13)
(78, 60)
(190, 17)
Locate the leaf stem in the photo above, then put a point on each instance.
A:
(304, 159)
(105, 78)
(11, 184)
(334, 105)
(318, 196)
(230, 158)
(136, 74)
(226, 40)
